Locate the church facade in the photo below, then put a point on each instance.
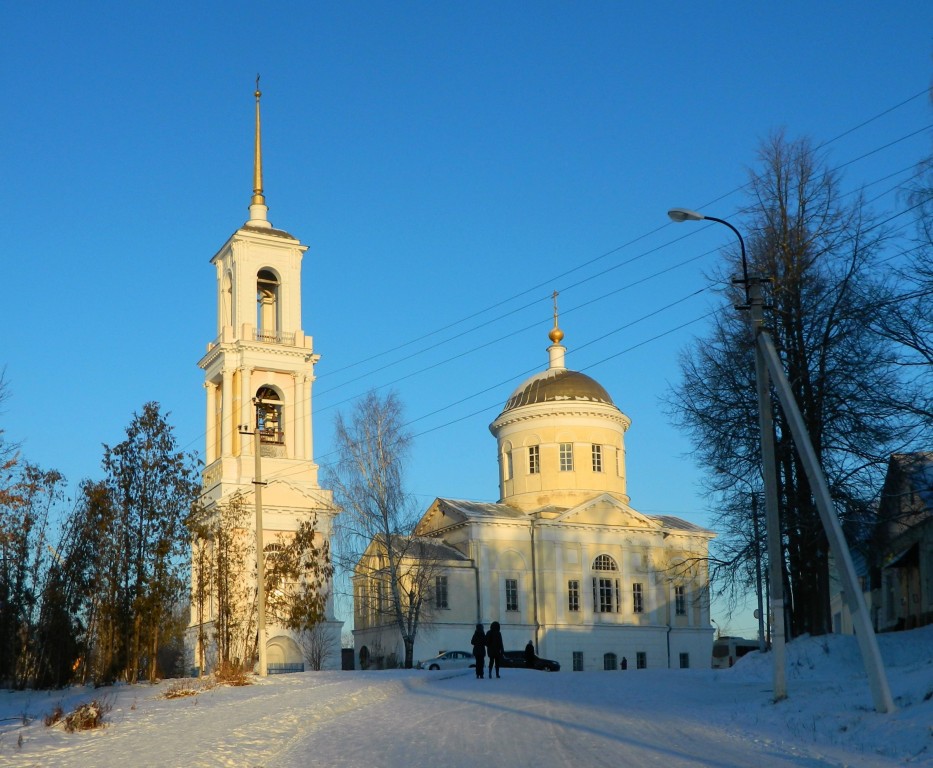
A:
(258, 377)
(562, 559)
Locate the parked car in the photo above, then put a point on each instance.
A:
(449, 660)
(516, 659)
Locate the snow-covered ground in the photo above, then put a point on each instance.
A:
(416, 718)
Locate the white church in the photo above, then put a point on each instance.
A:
(258, 377)
(562, 559)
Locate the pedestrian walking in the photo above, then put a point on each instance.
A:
(479, 650)
(494, 647)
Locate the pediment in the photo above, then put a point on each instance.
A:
(608, 510)
(438, 516)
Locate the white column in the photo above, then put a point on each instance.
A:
(247, 412)
(308, 428)
(297, 437)
(208, 423)
(226, 414)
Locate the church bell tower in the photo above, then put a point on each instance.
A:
(259, 369)
(258, 378)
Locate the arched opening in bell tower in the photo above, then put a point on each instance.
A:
(267, 305)
(269, 416)
(226, 300)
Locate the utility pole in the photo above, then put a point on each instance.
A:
(767, 361)
(761, 613)
(769, 475)
(260, 552)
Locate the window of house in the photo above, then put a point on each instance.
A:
(597, 458)
(578, 661)
(511, 594)
(507, 465)
(534, 460)
(573, 595)
(440, 592)
(641, 660)
(680, 600)
(610, 661)
(638, 605)
(566, 457)
(685, 661)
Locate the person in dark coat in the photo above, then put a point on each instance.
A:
(530, 655)
(494, 647)
(479, 650)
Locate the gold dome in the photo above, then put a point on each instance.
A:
(556, 385)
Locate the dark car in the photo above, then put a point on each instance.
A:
(516, 659)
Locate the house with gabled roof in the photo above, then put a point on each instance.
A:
(904, 543)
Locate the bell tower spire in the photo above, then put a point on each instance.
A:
(258, 210)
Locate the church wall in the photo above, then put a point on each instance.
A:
(550, 485)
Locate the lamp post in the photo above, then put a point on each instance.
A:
(767, 361)
(260, 552)
(754, 303)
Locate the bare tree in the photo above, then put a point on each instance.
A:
(316, 646)
(822, 254)
(377, 515)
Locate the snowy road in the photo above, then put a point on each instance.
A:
(414, 719)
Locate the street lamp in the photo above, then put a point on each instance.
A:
(767, 361)
(685, 214)
(754, 302)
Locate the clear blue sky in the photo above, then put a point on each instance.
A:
(443, 161)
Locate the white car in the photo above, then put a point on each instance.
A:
(449, 660)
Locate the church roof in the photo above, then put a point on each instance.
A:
(558, 385)
(678, 523)
(271, 231)
(478, 510)
(481, 509)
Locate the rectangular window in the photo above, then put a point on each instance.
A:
(680, 600)
(578, 661)
(685, 661)
(641, 660)
(573, 595)
(597, 458)
(605, 596)
(566, 457)
(534, 460)
(638, 605)
(507, 465)
(511, 594)
(440, 592)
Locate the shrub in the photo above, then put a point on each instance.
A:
(54, 716)
(231, 674)
(87, 716)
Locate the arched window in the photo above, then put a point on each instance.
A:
(506, 461)
(226, 300)
(267, 305)
(606, 596)
(604, 563)
(269, 416)
(609, 661)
